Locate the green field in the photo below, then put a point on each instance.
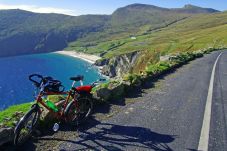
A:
(194, 33)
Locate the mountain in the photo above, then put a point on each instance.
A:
(134, 20)
(195, 9)
(141, 14)
(23, 32)
(136, 15)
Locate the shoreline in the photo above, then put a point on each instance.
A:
(86, 57)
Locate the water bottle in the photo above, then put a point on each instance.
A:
(56, 127)
(51, 105)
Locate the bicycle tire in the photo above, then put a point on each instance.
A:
(23, 123)
(76, 117)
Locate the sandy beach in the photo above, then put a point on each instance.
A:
(86, 57)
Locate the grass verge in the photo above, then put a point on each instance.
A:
(11, 115)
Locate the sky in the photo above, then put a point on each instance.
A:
(82, 7)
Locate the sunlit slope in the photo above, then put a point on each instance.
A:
(23, 32)
(197, 32)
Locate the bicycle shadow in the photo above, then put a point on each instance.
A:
(106, 136)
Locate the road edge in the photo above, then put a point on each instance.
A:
(204, 135)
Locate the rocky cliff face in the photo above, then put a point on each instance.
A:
(118, 65)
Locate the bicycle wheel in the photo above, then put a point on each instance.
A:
(76, 114)
(25, 126)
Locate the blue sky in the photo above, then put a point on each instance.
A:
(79, 7)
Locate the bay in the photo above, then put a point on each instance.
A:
(15, 88)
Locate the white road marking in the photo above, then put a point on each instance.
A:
(204, 136)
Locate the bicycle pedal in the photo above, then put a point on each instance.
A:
(56, 127)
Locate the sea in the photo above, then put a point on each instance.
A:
(15, 87)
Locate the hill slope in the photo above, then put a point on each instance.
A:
(136, 15)
(134, 20)
(23, 32)
(191, 34)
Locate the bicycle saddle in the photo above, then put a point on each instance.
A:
(77, 78)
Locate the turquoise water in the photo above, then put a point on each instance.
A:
(15, 88)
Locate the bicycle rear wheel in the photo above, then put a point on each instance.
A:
(26, 125)
(77, 113)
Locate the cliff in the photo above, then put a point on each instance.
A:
(118, 65)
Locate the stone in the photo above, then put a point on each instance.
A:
(6, 135)
(117, 90)
(18, 114)
(102, 94)
(165, 58)
(119, 65)
(15, 123)
(101, 62)
(7, 119)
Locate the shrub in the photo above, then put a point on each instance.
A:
(154, 69)
(133, 79)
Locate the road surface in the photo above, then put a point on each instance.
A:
(168, 117)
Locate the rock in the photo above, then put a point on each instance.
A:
(102, 94)
(138, 82)
(127, 83)
(119, 65)
(6, 135)
(101, 62)
(18, 114)
(128, 86)
(144, 78)
(109, 71)
(7, 119)
(117, 90)
(165, 58)
(15, 123)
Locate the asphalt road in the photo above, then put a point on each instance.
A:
(167, 117)
(218, 133)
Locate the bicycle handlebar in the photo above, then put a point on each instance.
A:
(94, 84)
(36, 83)
(42, 83)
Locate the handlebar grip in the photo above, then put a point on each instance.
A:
(33, 75)
(35, 82)
(102, 79)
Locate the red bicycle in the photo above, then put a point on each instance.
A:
(73, 112)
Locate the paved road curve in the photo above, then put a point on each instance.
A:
(166, 118)
(218, 131)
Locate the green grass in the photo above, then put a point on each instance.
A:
(132, 78)
(194, 33)
(157, 68)
(10, 114)
(7, 116)
(188, 35)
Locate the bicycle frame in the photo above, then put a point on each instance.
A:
(60, 114)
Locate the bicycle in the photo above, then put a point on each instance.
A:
(73, 112)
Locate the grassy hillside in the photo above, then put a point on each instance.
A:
(193, 33)
(188, 35)
(136, 20)
(23, 32)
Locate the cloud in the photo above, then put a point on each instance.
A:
(37, 9)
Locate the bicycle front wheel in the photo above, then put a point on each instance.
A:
(26, 125)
